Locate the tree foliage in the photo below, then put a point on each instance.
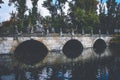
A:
(118, 16)
(81, 14)
(111, 5)
(34, 11)
(102, 17)
(20, 15)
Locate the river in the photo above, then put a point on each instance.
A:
(56, 66)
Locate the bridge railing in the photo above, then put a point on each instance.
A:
(56, 35)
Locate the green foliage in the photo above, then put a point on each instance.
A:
(87, 5)
(118, 16)
(34, 12)
(46, 22)
(111, 5)
(21, 8)
(84, 11)
(57, 19)
(90, 21)
(81, 15)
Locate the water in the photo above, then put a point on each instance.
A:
(56, 66)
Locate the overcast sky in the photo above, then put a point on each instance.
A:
(6, 10)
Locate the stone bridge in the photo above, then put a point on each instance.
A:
(9, 44)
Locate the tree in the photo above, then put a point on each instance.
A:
(73, 23)
(57, 19)
(102, 18)
(52, 9)
(83, 14)
(60, 6)
(34, 11)
(46, 21)
(111, 5)
(118, 16)
(21, 8)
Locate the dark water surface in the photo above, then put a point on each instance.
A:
(88, 66)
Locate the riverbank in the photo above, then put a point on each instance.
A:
(115, 46)
(115, 42)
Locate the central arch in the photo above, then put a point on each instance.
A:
(30, 52)
(72, 48)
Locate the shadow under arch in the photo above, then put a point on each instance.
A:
(72, 48)
(30, 52)
(99, 46)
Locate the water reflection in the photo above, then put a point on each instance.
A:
(102, 73)
(59, 57)
(88, 66)
(45, 74)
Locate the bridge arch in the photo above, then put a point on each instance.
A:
(106, 39)
(97, 39)
(30, 51)
(99, 46)
(72, 48)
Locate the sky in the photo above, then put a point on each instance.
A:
(116, 1)
(6, 10)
